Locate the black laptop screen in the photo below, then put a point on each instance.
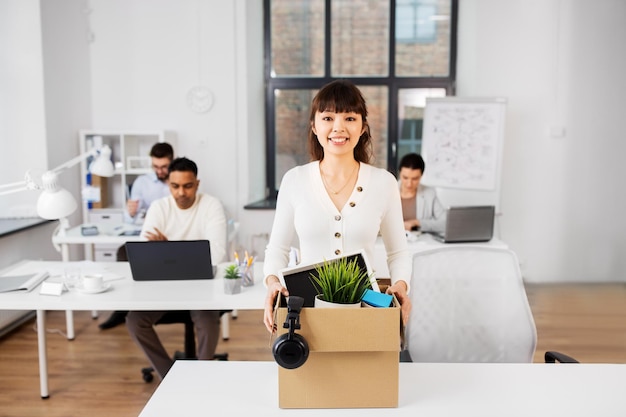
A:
(170, 260)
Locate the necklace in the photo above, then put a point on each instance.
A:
(343, 186)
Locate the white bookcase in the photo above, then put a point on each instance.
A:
(130, 155)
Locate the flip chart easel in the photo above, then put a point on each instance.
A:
(462, 147)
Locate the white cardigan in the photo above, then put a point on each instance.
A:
(304, 210)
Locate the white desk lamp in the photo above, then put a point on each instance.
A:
(55, 202)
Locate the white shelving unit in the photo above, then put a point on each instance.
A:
(130, 155)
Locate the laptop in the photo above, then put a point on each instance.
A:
(468, 224)
(298, 282)
(170, 260)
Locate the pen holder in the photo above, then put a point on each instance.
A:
(247, 275)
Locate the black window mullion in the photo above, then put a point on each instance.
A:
(454, 15)
(392, 128)
(270, 140)
(327, 41)
(392, 91)
(270, 128)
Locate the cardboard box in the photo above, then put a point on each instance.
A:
(102, 183)
(353, 360)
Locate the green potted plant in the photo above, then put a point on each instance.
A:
(340, 282)
(232, 279)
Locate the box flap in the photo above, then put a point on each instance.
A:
(358, 330)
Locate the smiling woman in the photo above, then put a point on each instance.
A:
(338, 203)
(337, 133)
(291, 149)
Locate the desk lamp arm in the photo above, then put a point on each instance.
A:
(104, 152)
(55, 202)
(15, 187)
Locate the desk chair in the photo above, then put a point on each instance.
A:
(183, 317)
(558, 357)
(469, 305)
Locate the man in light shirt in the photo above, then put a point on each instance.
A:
(186, 214)
(149, 187)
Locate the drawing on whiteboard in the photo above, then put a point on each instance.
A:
(461, 144)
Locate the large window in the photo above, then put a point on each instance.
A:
(398, 52)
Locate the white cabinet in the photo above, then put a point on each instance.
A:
(130, 155)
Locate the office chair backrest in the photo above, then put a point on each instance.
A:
(469, 305)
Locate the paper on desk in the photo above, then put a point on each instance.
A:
(22, 282)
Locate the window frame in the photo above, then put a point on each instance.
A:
(393, 84)
(415, 6)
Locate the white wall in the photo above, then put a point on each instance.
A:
(67, 86)
(144, 64)
(22, 121)
(558, 63)
(39, 78)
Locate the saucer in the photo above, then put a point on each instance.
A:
(104, 287)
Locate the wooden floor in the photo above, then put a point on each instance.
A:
(98, 374)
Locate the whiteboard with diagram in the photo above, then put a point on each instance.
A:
(462, 142)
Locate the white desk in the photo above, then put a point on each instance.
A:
(110, 234)
(417, 243)
(200, 388)
(125, 294)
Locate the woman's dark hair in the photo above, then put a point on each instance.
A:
(413, 161)
(341, 96)
(184, 165)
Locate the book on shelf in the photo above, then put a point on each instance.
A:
(22, 282)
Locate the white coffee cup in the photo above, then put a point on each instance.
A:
(92, 282)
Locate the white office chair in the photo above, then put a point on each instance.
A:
(469, 305)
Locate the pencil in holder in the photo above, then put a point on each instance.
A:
(247, 275)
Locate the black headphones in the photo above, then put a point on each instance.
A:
(291, 349)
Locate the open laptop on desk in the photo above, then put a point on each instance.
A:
(170, 260)
(468, 224)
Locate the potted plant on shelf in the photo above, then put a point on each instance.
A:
(232, 279)
(340, 283)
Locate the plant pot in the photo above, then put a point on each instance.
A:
(232, 286)
(319, 303)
